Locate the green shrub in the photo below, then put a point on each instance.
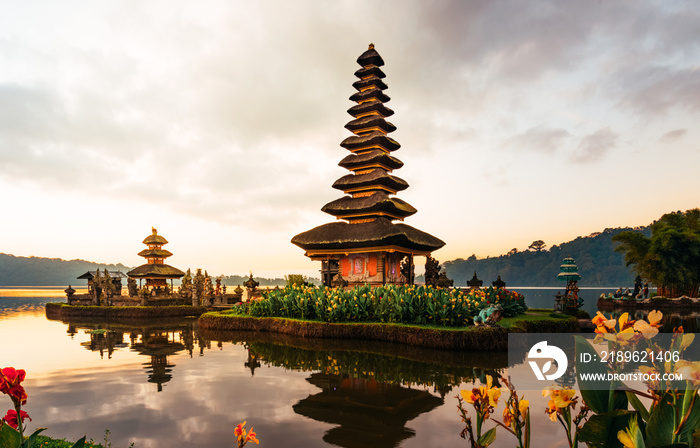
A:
(391, 304)
(296, 279)
(583, 314)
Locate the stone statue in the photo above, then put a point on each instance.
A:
(499, 283)
(131, 286)
(489, 316)
(217, 289)
(637, 286)
(208, 291)
(433, 276)
(251, 284)
(475, 283)
(338, 281)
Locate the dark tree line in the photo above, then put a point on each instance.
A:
(37, 271)
(670, 257)
(598, 263)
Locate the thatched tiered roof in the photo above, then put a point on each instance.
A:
(369, 206)
(155, 254)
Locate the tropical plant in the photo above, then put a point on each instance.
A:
(296, 279)
(484, 399)
(420, 305)
(673, 416)
(670, 258)
(671, 420)
(243, 436)
(12, 424)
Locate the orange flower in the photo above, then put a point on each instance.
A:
(604, 325)
(507, 416)
(252, 437)
(239, 432)
(551, 410)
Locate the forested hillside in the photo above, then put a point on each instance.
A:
(36, 271)
(597, 261)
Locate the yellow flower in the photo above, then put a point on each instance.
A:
(625, 323)
(523, 406)
(494, 394)
(470, 396)
(655, 317)
(648, 331)
(689, 370)
(563, 398)
(483, 393)
(686, 340)
(625, 439)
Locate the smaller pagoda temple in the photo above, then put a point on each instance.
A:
(155, 271)
(568, 272)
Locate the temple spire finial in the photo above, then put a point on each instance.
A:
(371, 46)
(154, 231)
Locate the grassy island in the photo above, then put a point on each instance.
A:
(60, 311)
(415, 315)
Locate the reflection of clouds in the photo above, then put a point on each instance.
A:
(77, 393)
(201, 405)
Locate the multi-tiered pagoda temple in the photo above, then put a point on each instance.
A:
(155, 271)
(367, 246)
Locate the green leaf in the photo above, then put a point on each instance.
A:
(597, 400)
(636, 433)
(80, 443)
(693, 421)
(31, 440)
(674, 445)
(600, 431)
(9, 437)
(638, 406)
(487, 438)
(661, 422)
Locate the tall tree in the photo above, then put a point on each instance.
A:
(670, 258)
(537, 245)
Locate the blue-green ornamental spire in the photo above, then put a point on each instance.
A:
(568, 270)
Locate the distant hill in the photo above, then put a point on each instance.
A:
(37, 271)
(597, 261)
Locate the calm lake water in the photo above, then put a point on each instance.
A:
(165, 384)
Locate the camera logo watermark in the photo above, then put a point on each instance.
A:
(543, 351)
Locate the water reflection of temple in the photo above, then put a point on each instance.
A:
(104, 341)
(157, 343)
(369, 413)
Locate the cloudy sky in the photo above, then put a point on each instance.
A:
(219, 122)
